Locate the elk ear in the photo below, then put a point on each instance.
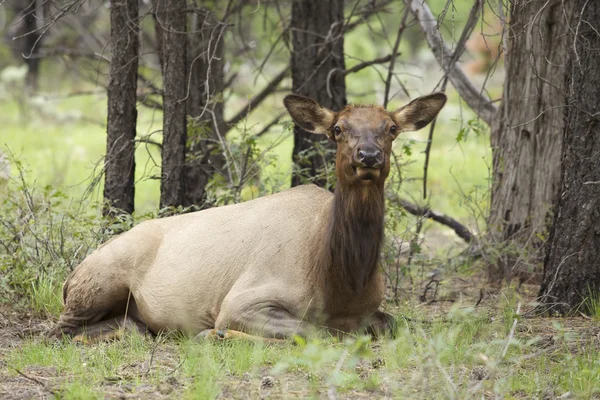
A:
(309, 114)
(419, 112)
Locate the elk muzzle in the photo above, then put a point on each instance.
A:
(369, 161)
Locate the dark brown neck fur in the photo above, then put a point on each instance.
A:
(355, 233)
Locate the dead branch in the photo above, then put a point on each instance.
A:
(256, 100)
(474, 97)
(461, 230)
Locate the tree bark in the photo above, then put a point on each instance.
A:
(572, 266)
(172, 17)
(318, 52)
(119, 165)
(527, 132)
(204, 105)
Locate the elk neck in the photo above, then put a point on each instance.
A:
(355, 232)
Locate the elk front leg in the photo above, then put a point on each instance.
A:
(268, 323)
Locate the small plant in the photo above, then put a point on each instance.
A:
(43, 236)
(591, 304)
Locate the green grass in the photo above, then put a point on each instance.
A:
(45, 297)
(459, 356)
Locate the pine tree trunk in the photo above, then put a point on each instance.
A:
(204, 155)
(317, 59)
(172, 16)
(572, 266)
(119, 166)
(527, 134)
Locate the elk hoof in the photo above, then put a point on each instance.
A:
(212, 334)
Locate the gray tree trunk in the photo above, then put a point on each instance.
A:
(119, 165)
(527, 134)
(172, 17)
(204, 156)
(318, 51)
(572, 266)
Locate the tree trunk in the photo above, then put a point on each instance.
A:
(572, 266)
(527, 134)
(172, 16)
(122, 113)
(318, 51)
(29, 17)
(204, 105)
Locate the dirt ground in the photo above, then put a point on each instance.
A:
(45, 382)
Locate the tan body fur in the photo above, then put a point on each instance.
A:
(222, 273)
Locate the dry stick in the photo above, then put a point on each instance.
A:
(474, 97)
(461, 230)
(388, 81)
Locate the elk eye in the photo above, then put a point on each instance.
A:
(337, 130)
(393, 129)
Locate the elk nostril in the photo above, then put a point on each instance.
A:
(378, 156)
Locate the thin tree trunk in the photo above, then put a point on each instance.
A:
(119, 167)
(28, 18)
(527, 133)
(572, 266)
(172, 17)
(318, 52)
(33, 43)
(204, 105)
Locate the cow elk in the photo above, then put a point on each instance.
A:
(270, 268)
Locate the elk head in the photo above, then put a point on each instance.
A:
(364, 134)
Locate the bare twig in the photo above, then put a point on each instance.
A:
(429, 143)
(388, 81)
(474, 97)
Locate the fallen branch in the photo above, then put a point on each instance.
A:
(479, 102)
(461, 230)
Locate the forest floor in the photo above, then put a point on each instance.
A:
(445, 348)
